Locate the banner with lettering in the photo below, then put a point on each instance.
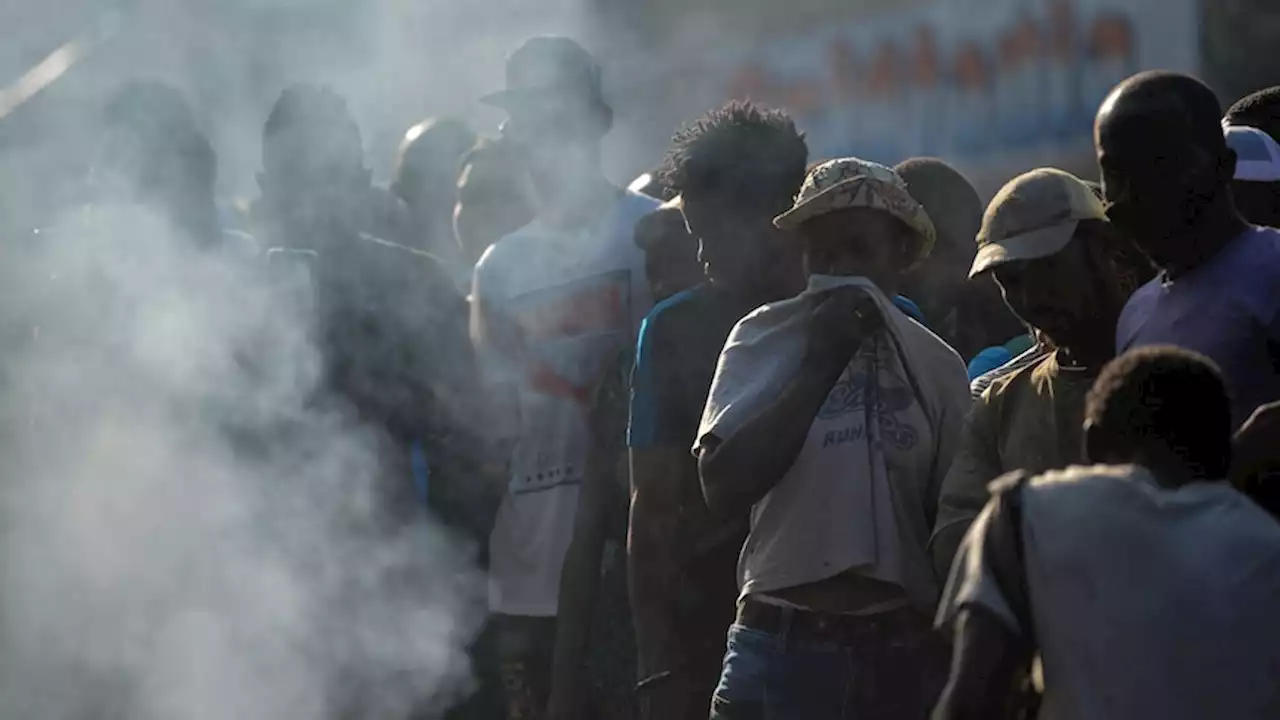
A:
(971, 80)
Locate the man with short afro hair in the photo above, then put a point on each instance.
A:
(741, 151)
(1145, 582)
(735, 168)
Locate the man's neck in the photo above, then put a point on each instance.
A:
(1212, 231)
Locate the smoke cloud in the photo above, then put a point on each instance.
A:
(188, 531)
(189, 527)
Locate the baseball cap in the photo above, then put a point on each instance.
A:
(549, 66)
(1257, 153)
(1034, 215)
(851, 182)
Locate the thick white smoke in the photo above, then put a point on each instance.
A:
(186, 533)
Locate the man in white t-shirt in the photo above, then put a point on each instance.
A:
(553, 304)
(1147, 585)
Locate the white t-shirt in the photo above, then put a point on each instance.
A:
(859, 494)
(574, 301)
(1147, 602)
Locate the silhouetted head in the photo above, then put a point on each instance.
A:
(493, 197)
(670, 251)
(427, 166)
(736, 168)
(1165, 165)
(313, 173)
(1253, 132)
(1164, 408)
(956, 211)
(154, 152)
(556, 113)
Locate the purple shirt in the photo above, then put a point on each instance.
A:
(1227, 309)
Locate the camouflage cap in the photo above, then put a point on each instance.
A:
(846, 183)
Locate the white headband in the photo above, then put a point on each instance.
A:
(1257, 153)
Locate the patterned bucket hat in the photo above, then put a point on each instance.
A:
(854, 183)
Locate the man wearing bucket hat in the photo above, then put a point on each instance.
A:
(833, 416)
(552, 305)
(1065, 271)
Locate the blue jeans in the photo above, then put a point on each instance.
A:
(892, 670)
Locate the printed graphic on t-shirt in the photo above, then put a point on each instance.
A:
(848, 399)
(567, 335)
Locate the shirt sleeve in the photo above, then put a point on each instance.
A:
(653, 417)
(972, 581)
(964, 488)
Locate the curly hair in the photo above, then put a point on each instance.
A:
(1260, 110)
(1168, 397)
(741, 153)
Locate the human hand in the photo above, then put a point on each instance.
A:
(841, 320)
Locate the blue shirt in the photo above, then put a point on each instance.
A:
(676, 353)
(1227, 309)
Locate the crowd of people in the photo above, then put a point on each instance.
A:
(773, 436)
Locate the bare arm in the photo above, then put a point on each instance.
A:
(737, 471)
(579, 588)
(964, 490)
(652, 553)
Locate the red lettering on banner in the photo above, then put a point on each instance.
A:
(1111, 37)
(971, 67)
(845, 69)
(927, 70)
(749, 82)
(882, 83)
(803, 96)
(1062, 29)
(890, 63)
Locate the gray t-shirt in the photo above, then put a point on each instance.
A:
(861, 495)
(1147, 602)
